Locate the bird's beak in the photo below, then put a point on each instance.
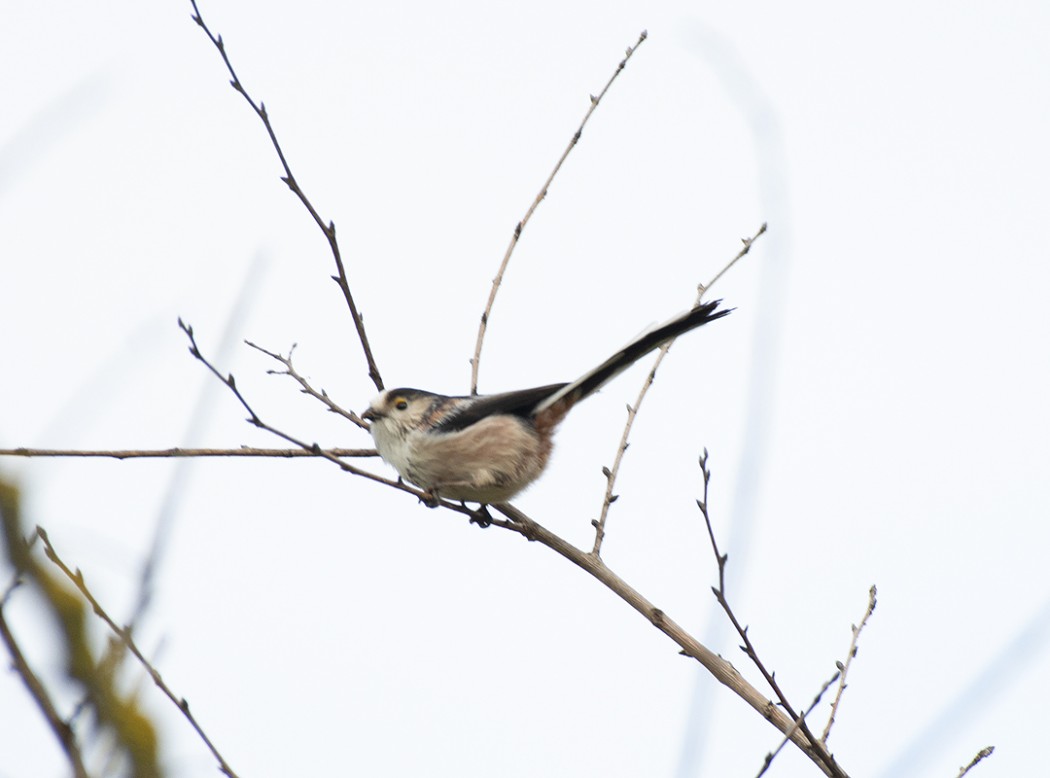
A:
(369, 415)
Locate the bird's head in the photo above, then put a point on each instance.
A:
(396, 412)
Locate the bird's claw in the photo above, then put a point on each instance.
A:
(481, 516)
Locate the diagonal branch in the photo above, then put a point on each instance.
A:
(66, 738)
(787, 735)
(722, 670)
(288, 178)
(632, 410)
(483, 327)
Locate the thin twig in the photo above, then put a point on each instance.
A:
(984, 753)
(702, 290)
(748, 647)
(168, 453)
(124, 635)
(305, 387)
(844, 667)
(66, 738)
(483, 326)
(798, 722)
(632, 410)
(289, 179)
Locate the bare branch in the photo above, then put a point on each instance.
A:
(844, 667)
(702, 289)
(822, 757)
(36, 689)
(123, 634)
(305, 386)
(168, 453)
(982, 754)
(632, 410)
(483, 326)
(798, 722)
(593, 564)
(133, 734)
(327, 228)
(722, 670)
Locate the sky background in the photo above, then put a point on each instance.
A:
(875, 409)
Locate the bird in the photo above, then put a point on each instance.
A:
(488, 448)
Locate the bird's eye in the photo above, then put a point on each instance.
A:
(401, 403)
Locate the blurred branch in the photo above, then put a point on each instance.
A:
(815, 749)
(134, 734)
(289, 179)
(123, 634)
(475, 363)
(982, 754)
(844, 667)
(632, 410)
(167, 453)
(66, 738)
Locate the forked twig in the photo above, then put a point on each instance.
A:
(123, 634)
(844, 666)
(483, 326)
(787, 736)
(289, 179)
(611, 473)
(305, 387)
(823, 756)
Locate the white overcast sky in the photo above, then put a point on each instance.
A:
(876, 409)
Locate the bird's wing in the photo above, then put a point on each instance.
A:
(473, 409)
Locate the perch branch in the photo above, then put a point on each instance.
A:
(722, 670)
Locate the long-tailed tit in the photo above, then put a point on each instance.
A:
(487, 448)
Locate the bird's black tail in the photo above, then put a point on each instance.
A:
(649, 340)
